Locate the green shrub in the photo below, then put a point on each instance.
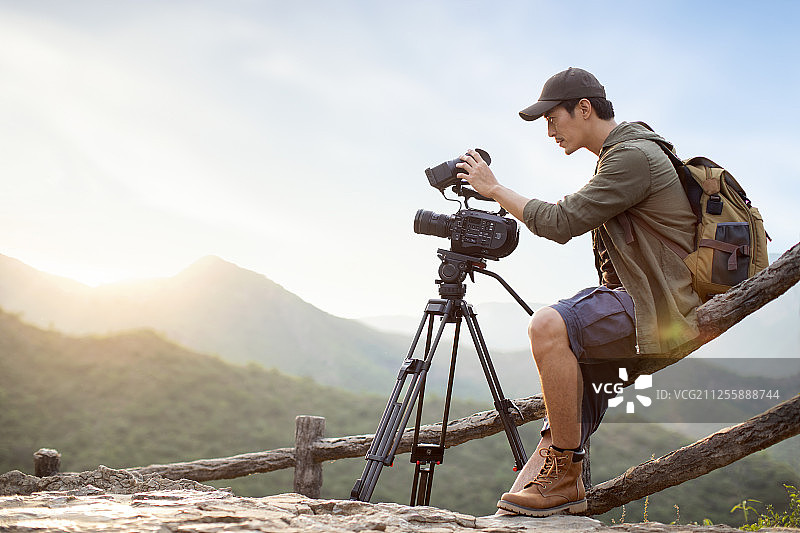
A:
(789, 518)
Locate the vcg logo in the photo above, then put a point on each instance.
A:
(642, 382)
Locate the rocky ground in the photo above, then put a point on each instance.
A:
(185, 511)
(107, 500)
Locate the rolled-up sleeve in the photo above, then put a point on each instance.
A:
(622, 181)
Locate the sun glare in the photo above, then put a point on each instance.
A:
(94, 276)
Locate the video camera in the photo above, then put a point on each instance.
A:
(471, 231)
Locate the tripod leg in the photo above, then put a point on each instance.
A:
(427, 456)
(423, 482)
(503, 405)
(395, 417)
(415, 484)
(378, 454)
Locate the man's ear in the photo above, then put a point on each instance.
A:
(585, 108)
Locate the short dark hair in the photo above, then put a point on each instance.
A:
(601, 106)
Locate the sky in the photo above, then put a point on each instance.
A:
(291, 138)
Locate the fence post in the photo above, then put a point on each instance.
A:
(307, 472)
(46, 462)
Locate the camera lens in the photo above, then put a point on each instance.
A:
(430, 223)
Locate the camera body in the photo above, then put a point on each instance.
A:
(471, 231)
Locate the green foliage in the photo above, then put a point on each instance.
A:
(136, 399)
(772, 518)
(745, 507)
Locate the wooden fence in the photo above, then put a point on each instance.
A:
(312, 449)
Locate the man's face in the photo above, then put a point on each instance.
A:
(566, 129)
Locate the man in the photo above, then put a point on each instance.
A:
(645, 303)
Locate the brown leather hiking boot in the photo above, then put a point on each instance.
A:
(557, 487)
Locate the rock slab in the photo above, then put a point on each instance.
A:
(103, 478)
(189, 511)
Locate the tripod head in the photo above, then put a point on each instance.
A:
(454, 270)
(456, 266)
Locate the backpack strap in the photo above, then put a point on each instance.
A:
(692, 189)
(690, 186)
(625, 219)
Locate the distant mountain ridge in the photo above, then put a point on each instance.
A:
(217, 307)
(214, 307)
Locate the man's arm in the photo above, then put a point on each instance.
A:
(622, 181)
(482, 179)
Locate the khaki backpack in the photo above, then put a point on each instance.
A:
(730, 240)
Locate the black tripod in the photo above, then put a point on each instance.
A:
(452, 308)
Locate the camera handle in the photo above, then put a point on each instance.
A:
(455, 265)
(507, 287)
(461, 190)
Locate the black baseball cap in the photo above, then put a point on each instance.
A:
(566, 85)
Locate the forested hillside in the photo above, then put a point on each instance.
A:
(216, 307)
(136, 399)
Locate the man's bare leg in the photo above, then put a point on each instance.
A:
(560, 376)
(562, 386)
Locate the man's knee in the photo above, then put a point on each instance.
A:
(547, 330)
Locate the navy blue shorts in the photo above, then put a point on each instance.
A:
(602, 333)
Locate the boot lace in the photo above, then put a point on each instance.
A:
(554, 463)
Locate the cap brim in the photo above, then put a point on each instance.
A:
(538, 109)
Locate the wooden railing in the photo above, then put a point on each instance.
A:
(312, 449)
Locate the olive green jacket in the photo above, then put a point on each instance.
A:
(633, 174)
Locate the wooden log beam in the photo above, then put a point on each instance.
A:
(725, 310)
(225, 467)
(715, 451)
(475, 426)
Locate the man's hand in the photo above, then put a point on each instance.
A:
(481, 178)
(478, 173)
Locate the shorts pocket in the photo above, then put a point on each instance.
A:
(604, 319)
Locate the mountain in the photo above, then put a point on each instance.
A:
(213, 307)
(134, 399)
(216, 307)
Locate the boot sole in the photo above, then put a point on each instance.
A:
(570, 507)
